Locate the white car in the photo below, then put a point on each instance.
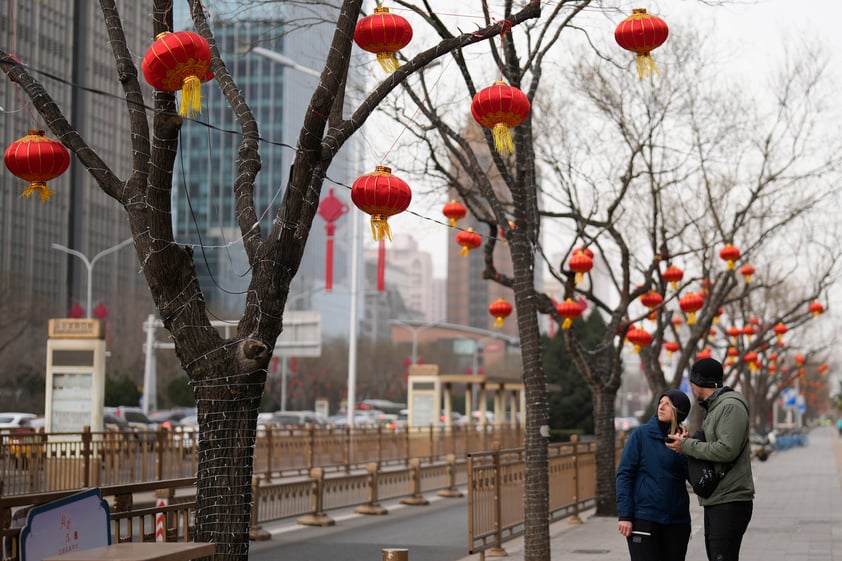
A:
(15, 420)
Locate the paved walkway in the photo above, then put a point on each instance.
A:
(797, 514)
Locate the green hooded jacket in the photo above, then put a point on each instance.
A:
(726, 428)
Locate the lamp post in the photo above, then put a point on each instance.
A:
(89, 264)
(415, 330)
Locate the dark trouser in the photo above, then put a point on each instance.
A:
(658, 542)
(725, 525)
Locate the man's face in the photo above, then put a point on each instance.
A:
(698, 391)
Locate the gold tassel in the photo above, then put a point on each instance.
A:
(388, 61)
(191, 97)
(646, 66)
(380, 228)
(503, 139)
(44, 192)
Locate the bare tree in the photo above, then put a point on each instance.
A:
(228, 375)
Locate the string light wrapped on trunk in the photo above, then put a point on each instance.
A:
(37, 159)
(383, 34)
(381, 195)
(500, 107)
(179, 61)
(641, 33)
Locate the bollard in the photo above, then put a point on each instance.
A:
(317, 517)
(372, 506)
(574, 519)
(395, 555)
(451, 491)
(256, 533)
(415, 498)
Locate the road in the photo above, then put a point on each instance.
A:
(436, 532)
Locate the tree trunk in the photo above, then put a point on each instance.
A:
(606, 471)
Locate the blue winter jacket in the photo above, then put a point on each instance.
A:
(651, 479)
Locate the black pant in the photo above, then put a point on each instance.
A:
(725, 525)
(658, 542)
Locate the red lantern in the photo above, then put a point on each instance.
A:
(638, 337)
(799, 359)
(500, 107)
(671, 347)
(673, 275)
(642, 33)
(569, 310)
(469, 240)
(816, 308)
(704, 353)
(733, 332)
(691, 303)
(748, 331)
(454, 211)
(747, 270)
(580, 263)
(677, 321)
(500, 309)
(37, 159)
(384, 34)
(381, 195)
(780, 329)
(652, 300)
(750, 358)
(822, 368)
(730, 254)
(179, 61)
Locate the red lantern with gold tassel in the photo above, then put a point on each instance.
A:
(642, 33)
(750, 358)
(816, 308)
(179, 61)
(469, 240)
(729, 253)
(381, 195)
(569, 310)
(383, 34)
(691, 303)
(746, 271)
(651, 300)
(454, 211)
(780, 329)
(704, 353)
(580, 263)
(500, 309)
(673, 275)
(500, 107)
(638, 337)
(37, 159)
(671, 347)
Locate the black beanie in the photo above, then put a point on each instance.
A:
(681, 402)
(706, 373)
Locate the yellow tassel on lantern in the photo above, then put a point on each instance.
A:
(567, 323)
(498, 322)
(503, 139)
(380, 228)
(191, 97)
(646, 66)
(44, 192)
(691, 318)
(388, 61)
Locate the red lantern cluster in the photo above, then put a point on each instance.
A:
(641, 33)
(500, 107)
(454, 211)
(383, 34)
(381, 195)
(500, 309)
(179, 61)
(37, 159)
(569, 310)
(469, 240)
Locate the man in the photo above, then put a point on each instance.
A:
(726, 427)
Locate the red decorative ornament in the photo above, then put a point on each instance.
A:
(469, 240)
(500, 309)
(671, 347)
(638, 337)
(704, 353)
(799, 359)
(691, 303)
(331, 209)
(179, 61)
(642, 33)
(746, 271)
(733, 332)
(750, 358)
(381, 195)
(822, 368)
(780, 329)
(37, 159)
(652, 300)
(76, 311)
(816, 308)
(500, 107)
(580, 263)
(381, 265)
(677, 321)
(569, 310)
(454, 211)
(748, 331)
(673, 275)
(101, 311)
(730, 254)
(383, 34)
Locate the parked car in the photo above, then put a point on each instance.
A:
(136, 419)
(15, 419)
(626, 424)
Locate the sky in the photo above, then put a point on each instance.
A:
(755, 34)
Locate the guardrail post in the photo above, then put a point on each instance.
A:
(574, 519)
(160, 437)
(318, 516)
(347, 450)
(311, 446)
(256, 533)
(451, 491)
(372, 506)
(86, 455)
(415, 498)
(395, 555)
(497, 549)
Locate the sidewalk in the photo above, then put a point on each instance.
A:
(797, 514)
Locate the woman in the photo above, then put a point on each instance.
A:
(652, 502)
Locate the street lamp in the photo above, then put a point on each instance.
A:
(89, 264)
(415, 330)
